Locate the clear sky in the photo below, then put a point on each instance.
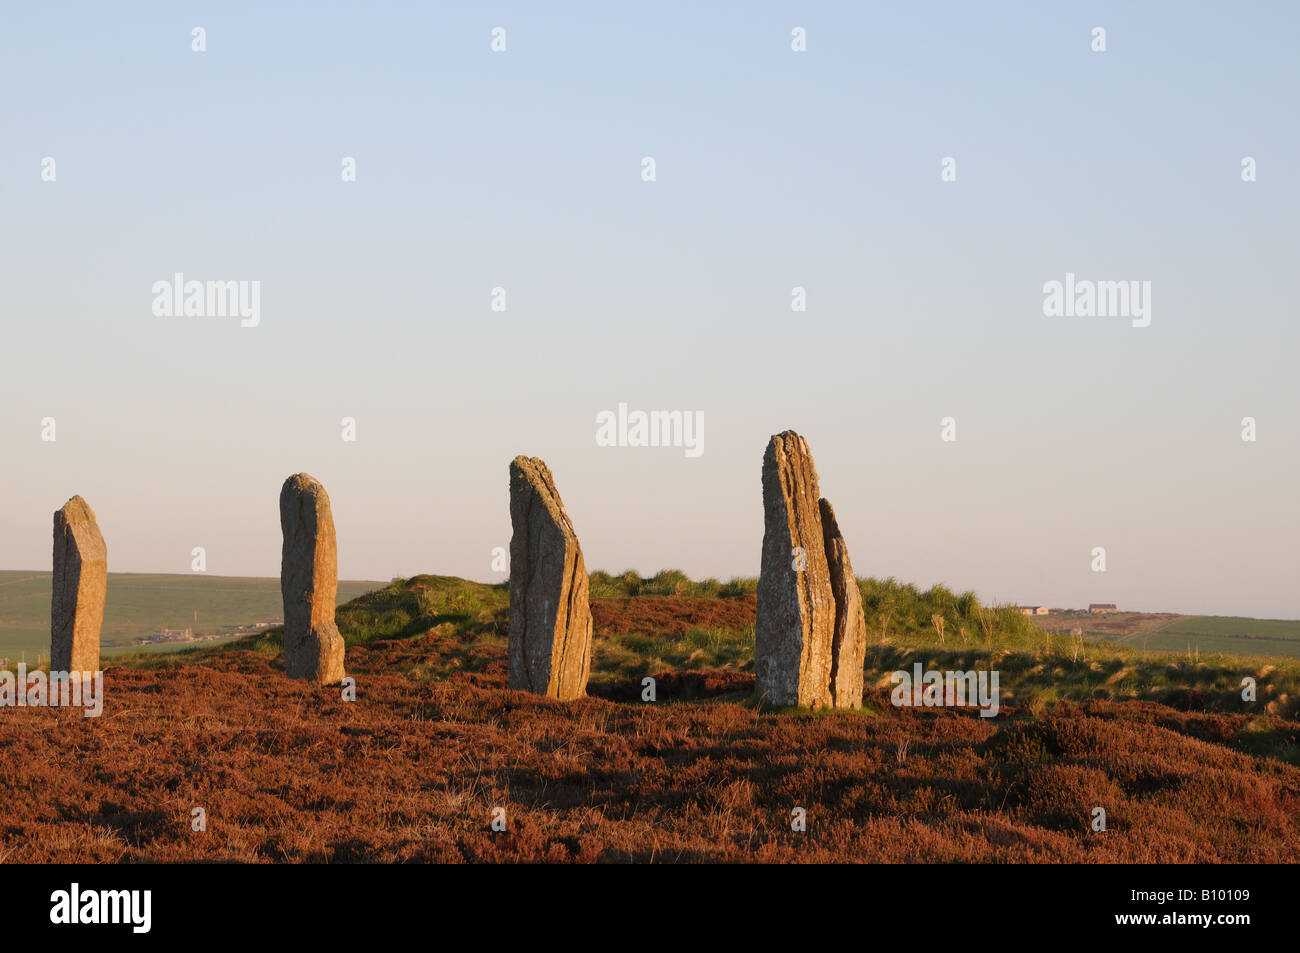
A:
(774, 169)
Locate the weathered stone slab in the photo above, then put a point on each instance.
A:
(796, 608)
(550, 614)
(313, 648)
(79, 589)
(849, 642)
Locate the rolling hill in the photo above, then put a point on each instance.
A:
(139, 604)
(1184, 634)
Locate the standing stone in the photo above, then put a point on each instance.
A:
(849, 644)
(550, 615)
(80, 585)
(810, 639)
(309, 579)
(796, 607)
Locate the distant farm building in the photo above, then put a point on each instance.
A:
(1033, 610)
(1097, 608)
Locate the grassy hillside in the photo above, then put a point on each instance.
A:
(434, 743)
(693, 639)
(139, 604)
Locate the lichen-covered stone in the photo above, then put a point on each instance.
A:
(796, 608)
(550, 613)
(849, 642)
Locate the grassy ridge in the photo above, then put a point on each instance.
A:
(641, 634)
(892, 607)
(708, 626)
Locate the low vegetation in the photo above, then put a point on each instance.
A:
(413, 769)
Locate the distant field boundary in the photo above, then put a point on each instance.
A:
(1180, 634)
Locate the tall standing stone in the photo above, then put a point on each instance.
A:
(550, 614)
(796, 608)
(79, 587)
(309, 579)
(849, 643)
(810, 636)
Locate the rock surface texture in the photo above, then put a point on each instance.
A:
(849, 643)
(79, 587)
(796, 610)
(810, 634)
(550, 614)
(313, 648)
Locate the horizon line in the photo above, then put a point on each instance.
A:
(391, 579)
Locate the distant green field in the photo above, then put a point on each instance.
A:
(142, 603)
(1238, 636)
(1167, 632)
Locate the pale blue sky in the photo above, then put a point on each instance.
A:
(775, 169)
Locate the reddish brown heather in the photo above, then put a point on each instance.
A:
(671, 615)
(411, 771)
